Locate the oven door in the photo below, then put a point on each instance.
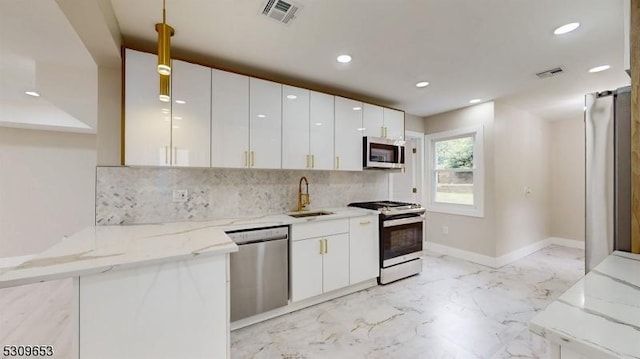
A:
(401, 239)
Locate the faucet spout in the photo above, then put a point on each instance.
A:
(303, 197)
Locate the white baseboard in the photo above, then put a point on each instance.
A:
(462, 254)
(9, 262)
(497, 262)
(571, 243)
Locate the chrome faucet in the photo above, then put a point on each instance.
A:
(303, 198)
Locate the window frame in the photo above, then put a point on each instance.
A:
(475, 210)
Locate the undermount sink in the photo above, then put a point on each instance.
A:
(309, 214)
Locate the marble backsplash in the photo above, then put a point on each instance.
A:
(134, 195)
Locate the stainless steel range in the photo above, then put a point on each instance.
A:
(401, 228)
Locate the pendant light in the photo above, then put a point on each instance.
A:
(165, 88)
(164, 44)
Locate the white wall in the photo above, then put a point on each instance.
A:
(467, 233)
(47, 182)
(521, 160)
(567, 179)
(413, 123)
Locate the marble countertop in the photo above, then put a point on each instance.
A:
(98, 249)
(599, 316)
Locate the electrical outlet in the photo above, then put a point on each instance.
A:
(445, 229)
(180, 195)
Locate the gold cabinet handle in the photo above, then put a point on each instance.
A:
(307, 161)
(166, 155)
(365, 223)
(337, 162)
(253, 158)
(322, 246)
(313, 165)
(326, 246)
(245, 159)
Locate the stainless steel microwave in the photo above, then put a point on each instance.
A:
(382, 153)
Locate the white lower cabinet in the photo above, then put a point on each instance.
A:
(319, 258)
(364, 249)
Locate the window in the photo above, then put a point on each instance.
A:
(455, 167)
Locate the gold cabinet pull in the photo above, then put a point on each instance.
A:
(337, 162)
(166, 155)
(365, 223)
(313, 165)
(326, 246)
(253, 158)
(322, 246)
(307, 161)
(245, 159)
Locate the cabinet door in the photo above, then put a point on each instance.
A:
(321, 131)
(306, 269)
(335, 263)
(348, 134)
(147, 132)
(229, 120)
(364, 249)
(265, 123)
(295, 128)
(372, 120)
(190, 114)
(394, 124)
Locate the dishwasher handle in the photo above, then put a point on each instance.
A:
(252, 241)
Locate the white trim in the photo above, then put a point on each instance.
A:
(10, 262)
(462, 254)
(571, 243)
(497, 262)
(521, 253)
(476, 210)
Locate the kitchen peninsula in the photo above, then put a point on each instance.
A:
(599, 316)
(155, 291)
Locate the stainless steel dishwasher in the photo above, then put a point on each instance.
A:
(259, 271)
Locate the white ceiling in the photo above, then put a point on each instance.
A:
(488, 49)
(40, 51)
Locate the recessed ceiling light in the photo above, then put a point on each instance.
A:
(357, 108)
(292, 97)
(181, 102)
(262, 116)
(32, 93)
(475, 100)
(422, 84)
(599, 68)
(566, 28)
(344, 59)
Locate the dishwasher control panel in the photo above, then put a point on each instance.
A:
(259, 234)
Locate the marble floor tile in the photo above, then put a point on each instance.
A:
(453, 309)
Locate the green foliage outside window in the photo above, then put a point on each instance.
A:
(455, 153)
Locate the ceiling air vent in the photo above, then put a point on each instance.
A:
(282, 11)
(550, 73)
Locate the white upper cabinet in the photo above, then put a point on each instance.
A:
(229, 120)
(321, 131)
(295, 128)
(147, 132)
(190, 114)
(348, 134)
(265, 124)
(166, 133)
(372, 120)
(307, 127)
(393, 124)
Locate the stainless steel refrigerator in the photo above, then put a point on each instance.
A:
(608, 174)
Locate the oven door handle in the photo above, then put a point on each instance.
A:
(401, 221)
